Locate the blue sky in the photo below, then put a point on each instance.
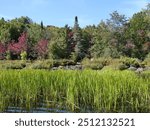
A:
(61, 12)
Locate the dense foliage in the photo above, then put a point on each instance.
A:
(114, 37)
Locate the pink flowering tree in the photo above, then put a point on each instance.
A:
(16, 48)
(42, 49)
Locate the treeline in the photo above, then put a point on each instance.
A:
(21, 38)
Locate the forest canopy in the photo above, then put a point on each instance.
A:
(21, 38)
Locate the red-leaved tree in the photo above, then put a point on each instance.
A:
(42, 48)
(15, 48)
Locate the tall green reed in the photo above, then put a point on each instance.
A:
(76, 91)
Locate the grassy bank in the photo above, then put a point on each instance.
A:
(76, 91)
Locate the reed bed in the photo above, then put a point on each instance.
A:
(75, 91)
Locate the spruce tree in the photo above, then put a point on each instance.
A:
(42, 26)
(77, 55)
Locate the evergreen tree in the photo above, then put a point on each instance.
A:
(68, 40)
(77, 54)
(42, 26)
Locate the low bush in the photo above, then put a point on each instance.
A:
(93, 66)
(134, 62)
(63, 62)
(96, 64)
(13, 65)
(47, 64)
(123, 67)
(147, 60)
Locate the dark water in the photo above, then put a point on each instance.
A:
(44, 110)
(35, 110)
(38, 108)
(42, 107)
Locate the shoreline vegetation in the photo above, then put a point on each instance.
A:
(124, 63)
(93, 85)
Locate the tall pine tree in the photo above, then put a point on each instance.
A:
(77, 54)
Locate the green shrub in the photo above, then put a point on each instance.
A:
(103, 61)
(8, 55)
(47, 64)
(132, 62)
(93, 66)
(147, 60)
(14, 65)
(96, 64)
(63, 62)
(123, 67)
(23, 55)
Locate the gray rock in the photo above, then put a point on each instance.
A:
(60, 67)
(78, 67)
(146, 68)
(54, 68)
(132, 68)
(72, 67)
(139, 70)
(68, 67)
(78, 63)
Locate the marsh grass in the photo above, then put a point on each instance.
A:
(75, 91)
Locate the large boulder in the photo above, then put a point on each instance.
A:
(139, 70)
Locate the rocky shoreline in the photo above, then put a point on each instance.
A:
(78, 66)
